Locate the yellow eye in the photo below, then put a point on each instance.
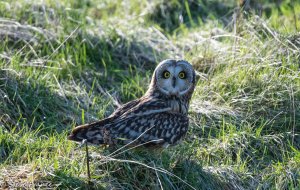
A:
(182, 75)
(166, 74)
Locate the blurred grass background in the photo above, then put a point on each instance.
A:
(63, 63)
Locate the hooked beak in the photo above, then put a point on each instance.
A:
(173, 82)
(174, 91)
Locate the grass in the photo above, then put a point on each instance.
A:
(64, 63)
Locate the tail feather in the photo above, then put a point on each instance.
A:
(79, 133)
(91, 132)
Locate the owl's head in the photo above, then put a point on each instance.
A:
(174, 78)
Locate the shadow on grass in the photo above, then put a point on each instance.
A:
(141, 169)
(170, 15)
(30, 104)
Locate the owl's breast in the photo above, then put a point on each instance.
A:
(178, 106)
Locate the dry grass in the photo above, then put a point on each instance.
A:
(66, 63)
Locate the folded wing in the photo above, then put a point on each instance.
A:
(147, 121)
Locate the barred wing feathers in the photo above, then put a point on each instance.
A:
(142, 121)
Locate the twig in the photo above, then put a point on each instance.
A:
(87, 161)
(84, 142)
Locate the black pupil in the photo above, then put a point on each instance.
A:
(166, 74)
(182, 75)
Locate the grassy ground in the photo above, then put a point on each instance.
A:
(64, 63)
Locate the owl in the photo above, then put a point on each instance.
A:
(158, 118)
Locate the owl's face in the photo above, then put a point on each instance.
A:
(174, 77)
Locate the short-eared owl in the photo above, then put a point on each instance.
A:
(157, 118)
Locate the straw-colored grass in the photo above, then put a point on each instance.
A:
(64, 63)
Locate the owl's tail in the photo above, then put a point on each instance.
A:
(79, 133)
(91, 132)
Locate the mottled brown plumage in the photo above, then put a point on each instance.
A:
(157, 118)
